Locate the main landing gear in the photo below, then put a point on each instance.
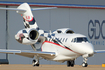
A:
(70, 63)
(35, 63)
(84, 64)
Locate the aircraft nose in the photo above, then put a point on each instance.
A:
(89, 50)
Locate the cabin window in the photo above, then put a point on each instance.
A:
(74, 40)
(55, 41)
(66, 40)
(60, 39)
(63, 39)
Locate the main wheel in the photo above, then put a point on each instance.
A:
(72, 63)
(84, 64)
(33, 63)
(37, 65)
(68, 63)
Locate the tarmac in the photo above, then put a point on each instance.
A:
(49, 67)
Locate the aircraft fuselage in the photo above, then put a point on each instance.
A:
(73, 46)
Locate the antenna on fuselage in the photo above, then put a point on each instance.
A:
(50, 32)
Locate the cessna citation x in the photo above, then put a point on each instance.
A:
(60, 45)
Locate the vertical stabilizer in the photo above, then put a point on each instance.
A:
(29, 20)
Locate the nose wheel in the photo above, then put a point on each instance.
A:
(70, 63)
(85, 64)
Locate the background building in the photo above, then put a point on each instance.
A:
(83, 16)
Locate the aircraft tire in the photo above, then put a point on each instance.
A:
(72, 63)
(68, 63)
(37, 65)
(84, 64)
(33, 62)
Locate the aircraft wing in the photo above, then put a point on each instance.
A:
(99, 51)
(29, 53)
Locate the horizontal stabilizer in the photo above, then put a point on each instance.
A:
(33, 9)
(12, 9)
(46, 8)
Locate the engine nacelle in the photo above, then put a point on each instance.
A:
(27, 36)
(64, 30)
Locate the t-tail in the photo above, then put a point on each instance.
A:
(28, 18)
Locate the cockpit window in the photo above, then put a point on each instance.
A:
(80, 39)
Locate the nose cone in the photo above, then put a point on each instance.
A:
(84, 48)
(90, 52)
(89, 49)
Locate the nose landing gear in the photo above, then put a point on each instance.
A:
(85, 64)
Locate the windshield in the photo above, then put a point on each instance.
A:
(80, 39)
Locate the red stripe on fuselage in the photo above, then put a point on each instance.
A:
(59, 46)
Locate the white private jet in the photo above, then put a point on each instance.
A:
(61, 45)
